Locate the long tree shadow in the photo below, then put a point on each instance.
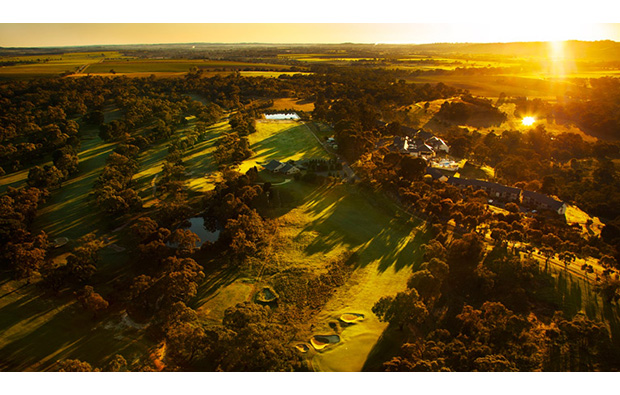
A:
(387, 346)
(610, 313)
(216, 280)
(294, 141)
(70, 333)
(349, 220)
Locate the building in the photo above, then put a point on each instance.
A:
(495, 191)
(438, 144)
(436, 174)
(288, 169)
(418, 143)
(423, 135)
(539, 201)
(414, 147)
(533, 200)
(274, 166)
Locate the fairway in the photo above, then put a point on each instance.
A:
(69, 211)
(35, 332)
(283, 141)
(333, 220)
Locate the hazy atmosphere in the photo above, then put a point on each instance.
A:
(441, 196)
(63, 34)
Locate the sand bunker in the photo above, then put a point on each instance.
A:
(266, 295)
(319, 342)
(302, 347)
(351, 318)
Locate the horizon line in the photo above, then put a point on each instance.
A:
(305, 43)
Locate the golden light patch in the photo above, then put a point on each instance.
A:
(528, 121)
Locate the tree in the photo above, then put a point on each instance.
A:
(74, 365)
(185, 241)
(48, 177)
(27, 258)
(91, 301)
(609, 288)
(66, 160)
(499, 235)
(434, 249)
(567, 258)
(412, 168)
(515, 236)
(117, 364)
(587, 269)
(144, 229)
(547, 252)
(512, 207)
(405, 308)
(82, 262)
(180, 281)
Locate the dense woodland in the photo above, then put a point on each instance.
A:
(465, 308)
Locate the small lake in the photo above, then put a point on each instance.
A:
(281, 116)
(197, 225)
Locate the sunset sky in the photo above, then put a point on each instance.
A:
(471, 21)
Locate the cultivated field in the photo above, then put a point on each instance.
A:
(176, 65)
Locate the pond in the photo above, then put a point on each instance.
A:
(197, 225)
(280, 116)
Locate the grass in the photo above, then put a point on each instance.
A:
(317, 224)
(330, 220)
(468, 170)
(69, 211)
(200, 164)
(283, 141)
(37, 331)
(289, 102)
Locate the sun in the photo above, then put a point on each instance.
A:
(528, 121)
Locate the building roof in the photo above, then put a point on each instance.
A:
(424, 135)
(436, 142)
(399, 142)
(287, 167)
(483, 184)
(413, 147)
(436, 173)
(543, 199)
(273, 165)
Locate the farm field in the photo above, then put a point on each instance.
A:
(177, 65)
(291, 103)
(53, 65)
(93, 63)
(492, 85)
